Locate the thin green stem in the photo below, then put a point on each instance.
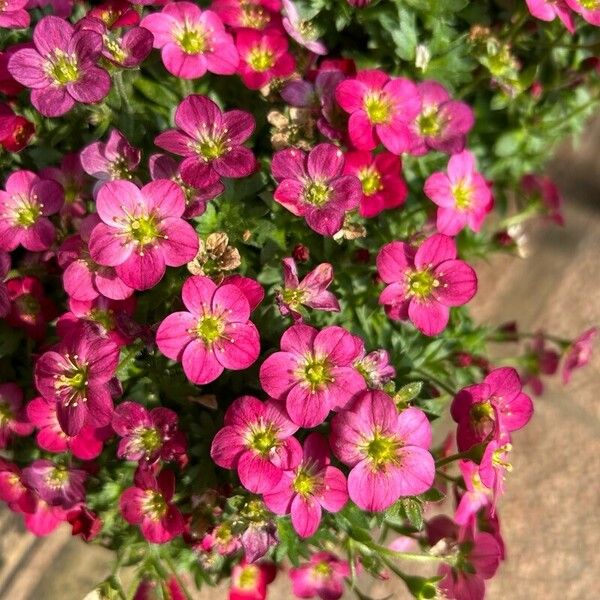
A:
(449, 459)
(435, 380)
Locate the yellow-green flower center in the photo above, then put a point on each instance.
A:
(154, 505)
(105, 318)
(6, 414)
(590, 4)
(115, 49)
(293, 297)
(57, 477)
(322, 570)
(190, 40)
(210, 328)
(261, 59)
(211, 147)
(28, 305)
(317, 193)
(498, 459)
(481, 412)
(253, 16)
(378, 108)
(316, 372)
(62, 68)
(304, 483)
(262, 439)
(382, 450)
(428, 122)
(371, 181)
(27, 212)
(150, 439)
(248, 577)
(421, 283)
(462, 193)
(144, 230)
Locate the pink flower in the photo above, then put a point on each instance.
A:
(257, 440)
(494, 465)
(84, 279)
(313, 186)
(75, 375)
(55, 484)
(211, 141)
(311, 291)
(250, 581)
(13, 14)
(539, 360)
(462, 194)
(115, 159)
(25, 205)
(254, 14)
(375, 366)
(15, 130)
(301, 31)
(213, 334)
(381, 110)
(579, 353)
(387, 450)
(308, 488)
(443, 123)
(61, 70)
(13, 419)
(147, 435)
(425, 283)
(548, 10)
(258, 538)
(192, 41)
(221, 540)
(30, 308)
(588, 9)
(74, 181)
(323, 575)
(13, 491)
(543, 191)
(44, 518)
(474, 498)
(490, 408)
(383, 186)
(264, 56)
(4, 295)
(313, 374)
(149, 505)
(115, 13)
(164, 167)
(142, 231)
(86, 445)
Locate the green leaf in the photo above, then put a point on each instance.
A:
(414, 512)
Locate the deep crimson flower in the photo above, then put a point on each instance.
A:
(84, 522)
(425, 283)
(13, 419)
(257, 440)
(115, 13)
(387, 450)
(308, 488)
(211, 141)
(15, 130)
(30, 308)
(4, 295)
(61, 70)
(313, 373)
(149, 504)
(314, 186)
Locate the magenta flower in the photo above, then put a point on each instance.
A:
(83, 279)
(149, 504)
(114, 159)
(383, 186)
(494, 466)
(142, 231)
(221, 540)
(443, 123)
(254, 14)
(539, 360)
(86, 445)
(381, 110)
(323, 575)
(313, 186)
(579, 353)
(13, 491)
(375, 366)
(314, 373)
(257, 440)
(544, 192)
(61, 70)
(301, 31)
(474, 498)
(548, 10)
(25, 205)
(164, 167)
(84, 522)
(490, 408)
(588, 9)
(311, 486)
(13, 14)
(387, 450)
(425, 283)
(211, 141)
(192, 41)
(311, 291)
(146, 435)
(44, 519)
(250, 581)
(74, 181)
(75, 375)
(4, 295)
(13, 419)
(264, 56)
(214, 333)
(462, 194)
(55, 484)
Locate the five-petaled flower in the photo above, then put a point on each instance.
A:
(323, 575)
